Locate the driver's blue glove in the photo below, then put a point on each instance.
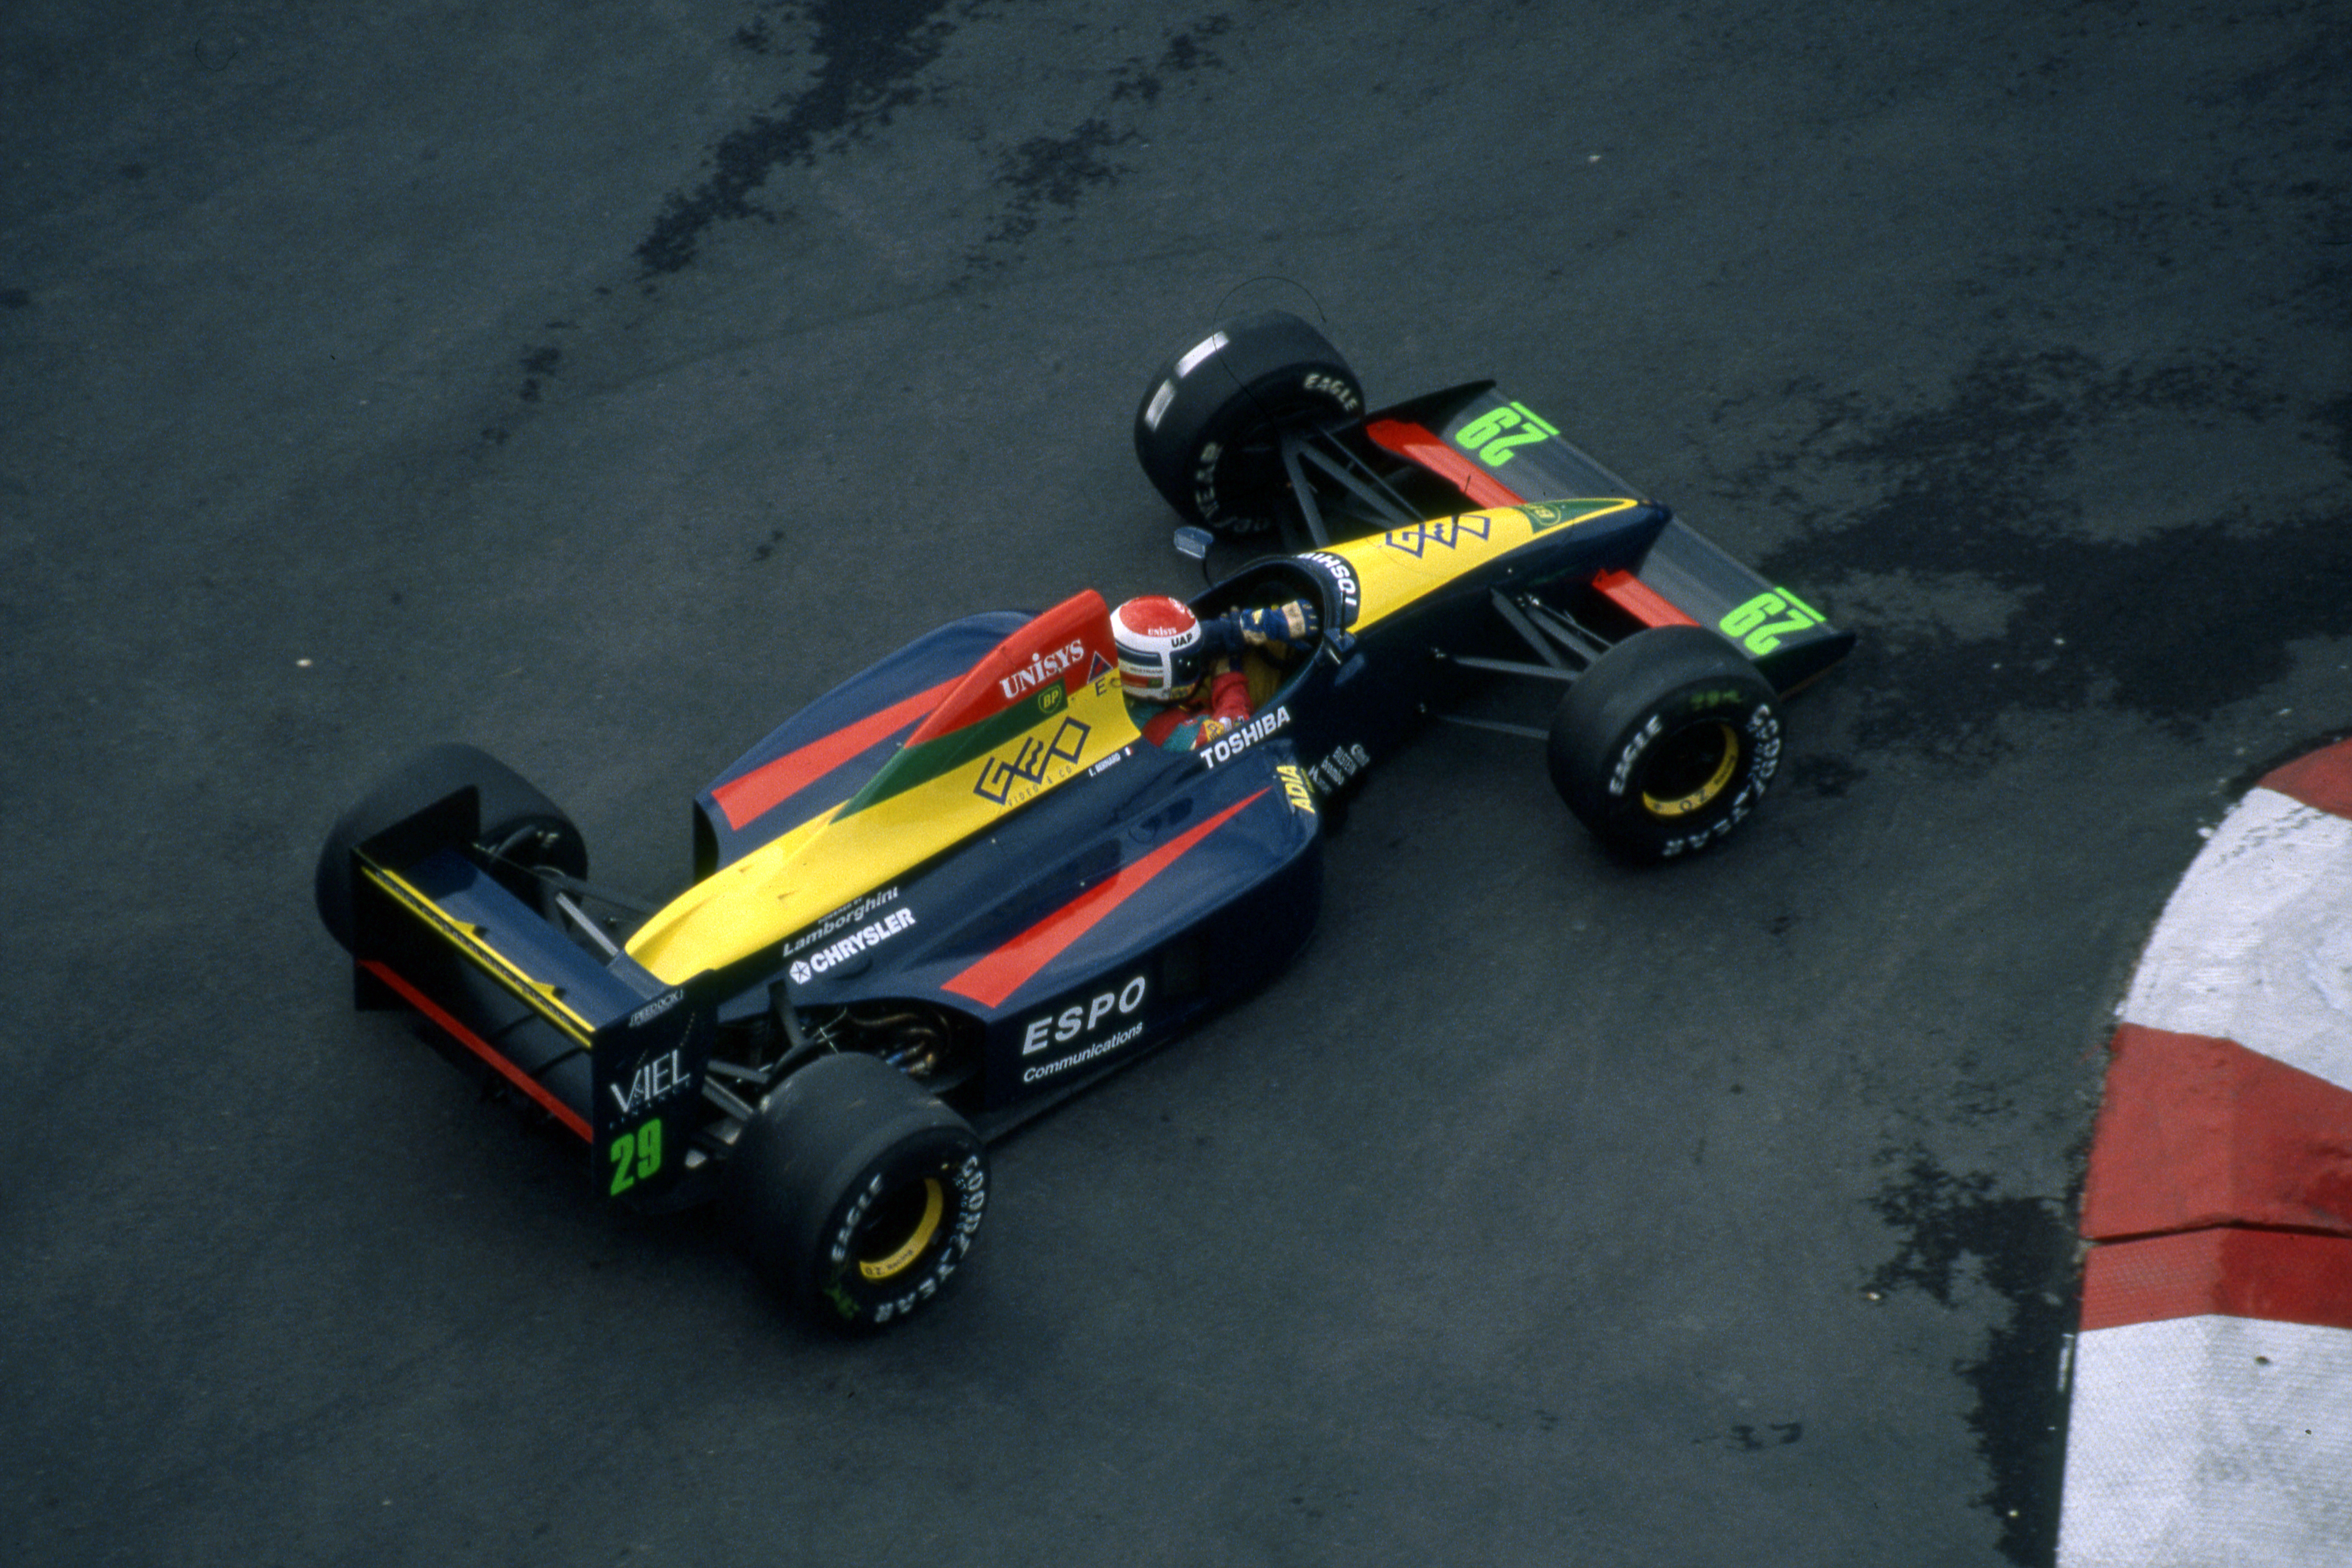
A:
(1291, 622)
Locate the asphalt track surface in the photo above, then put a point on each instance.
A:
(599, 384)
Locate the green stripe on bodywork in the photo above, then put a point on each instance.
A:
(917, 765)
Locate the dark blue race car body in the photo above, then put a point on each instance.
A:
(966, 861)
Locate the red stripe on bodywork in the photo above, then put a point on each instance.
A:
(479, 1046)
(762, 789)
(1418, 444)
(1002, 972)
(1641, 601)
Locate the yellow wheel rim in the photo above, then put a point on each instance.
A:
(935, 1206)
(1727, 742)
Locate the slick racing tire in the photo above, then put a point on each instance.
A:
(521, 830)
(1666, 744)
(1209, 428)
(857, 1193)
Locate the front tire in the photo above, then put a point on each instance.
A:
(1209, 429)
(1666, 744)
(857, 1193)
(522, 831)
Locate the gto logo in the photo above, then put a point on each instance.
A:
(1040, 667)
(658, 1078)
(1084, 1018)
(1031, 763)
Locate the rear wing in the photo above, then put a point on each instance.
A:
(605, 1052)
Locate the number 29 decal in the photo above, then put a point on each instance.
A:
(1764, 620)
(1494, 433)
(636, 1155)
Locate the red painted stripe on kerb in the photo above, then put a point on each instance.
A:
(1418, 444)
(479, 1046)
(2196, 1131)
(744, 799)
(2278, 1276)
(2321, 781)
(1002, 972)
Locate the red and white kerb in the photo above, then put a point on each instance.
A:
(2211, 1414)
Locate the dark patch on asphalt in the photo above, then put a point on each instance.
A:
(1826, 776)
(16, 299)
(1055, 169)
(1186, 52)
(1747, 1439)
(2023, 1249)
(538, 364)
(872, 51)
(754, 37)
(1972, 505)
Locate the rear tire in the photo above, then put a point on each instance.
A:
(1209, 428)
(522, 829)
(1666, 744)
(857, 1193)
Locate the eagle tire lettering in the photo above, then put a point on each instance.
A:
(1627, 759)
(1666, 744)
(1321, 383)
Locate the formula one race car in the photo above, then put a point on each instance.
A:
(961, 885)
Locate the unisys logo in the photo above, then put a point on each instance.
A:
(1041, 668)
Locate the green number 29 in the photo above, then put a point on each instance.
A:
(636, 1155)
(1494, 433)
(1753, 623)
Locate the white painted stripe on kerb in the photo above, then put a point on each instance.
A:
(1198, 352)
(2209, 1442)
(2253, 946)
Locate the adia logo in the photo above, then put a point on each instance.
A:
(1042, 667)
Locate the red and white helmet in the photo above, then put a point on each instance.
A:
(1159, 650)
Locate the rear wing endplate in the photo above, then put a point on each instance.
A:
(613, 1056)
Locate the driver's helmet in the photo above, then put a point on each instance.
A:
(1161, 655)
